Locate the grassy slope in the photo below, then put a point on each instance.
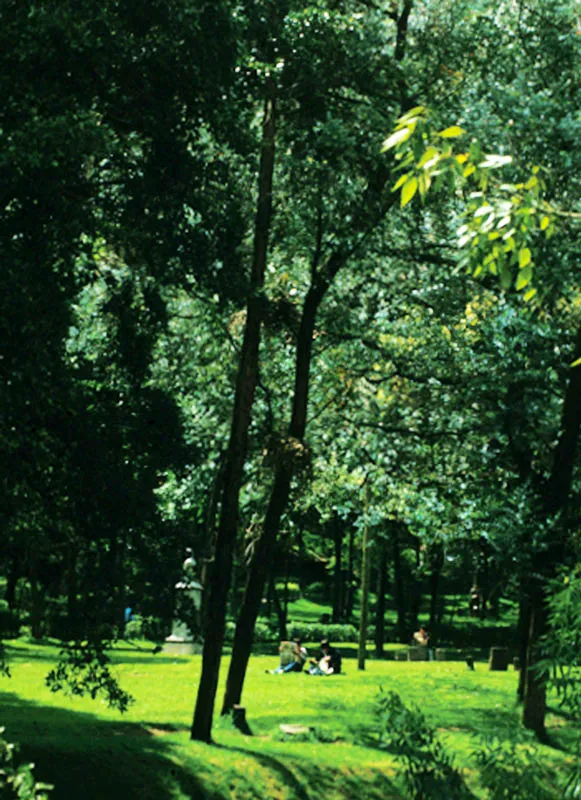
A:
(91, 752)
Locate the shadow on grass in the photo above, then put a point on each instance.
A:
(125, 655)
(90, 759)
(299, 774)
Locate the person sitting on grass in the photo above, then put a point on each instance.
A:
(329, 662)
(294, 656)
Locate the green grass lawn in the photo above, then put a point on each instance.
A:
(89, 751)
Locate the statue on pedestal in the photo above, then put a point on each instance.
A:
(185, 637)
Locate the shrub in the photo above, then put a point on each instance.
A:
(511, 769)
(317, 592)
(316, 631)
(428, 770)
(17, 780)
(152, 628)
(9, 621)
(293, 591)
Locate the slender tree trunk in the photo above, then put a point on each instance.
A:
(338, 576)
(11, 581)
(524, 624)
(362, 649)
(380, 608)
(279, 609)
(436, 563)
(399, 596)
(221, 567)
(72, 592)
(351, 579)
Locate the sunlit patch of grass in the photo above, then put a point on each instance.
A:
(89, 751)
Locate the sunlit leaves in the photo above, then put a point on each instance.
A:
(500, 219)
(409, 189)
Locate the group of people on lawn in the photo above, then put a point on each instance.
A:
(294, 658)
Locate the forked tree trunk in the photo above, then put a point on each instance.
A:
(221, 567)
(264, 548)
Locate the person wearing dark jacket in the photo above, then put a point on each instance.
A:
(329, 662)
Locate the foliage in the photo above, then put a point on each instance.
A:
(511, 768)
(561, 657)
(83, 669)
(500, 220)
(316, 632)
(428, 770)
(17, 780)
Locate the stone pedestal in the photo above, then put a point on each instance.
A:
(183, 641)
(419, 653)
(498, 660)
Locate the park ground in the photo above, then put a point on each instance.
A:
(91, 752)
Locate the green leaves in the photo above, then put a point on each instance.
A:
(452, 132)
(396, 138)
(409, 189)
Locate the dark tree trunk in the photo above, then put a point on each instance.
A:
(11, 581)
(362, 649)
(264, 548)
(535, 699)
(436, 564)
(399, 596)
(524, 623)
(279, 609)
(338, 575)
(221, 567)
(380, 607)
(415, 591)
(349, 601)
(72, 592)
(555, 499)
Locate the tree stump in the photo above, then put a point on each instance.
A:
(470, 662)
(239, 720)
(498, 660)
(296, 730)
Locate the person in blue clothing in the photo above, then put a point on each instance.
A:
(300, 656)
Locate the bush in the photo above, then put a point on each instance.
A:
(263, 633)
(17, 780)
(293, 591)
(428, 770)
(512, 770)
(316, 632)
(9, 621)
(317, 592)
(152, 628)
